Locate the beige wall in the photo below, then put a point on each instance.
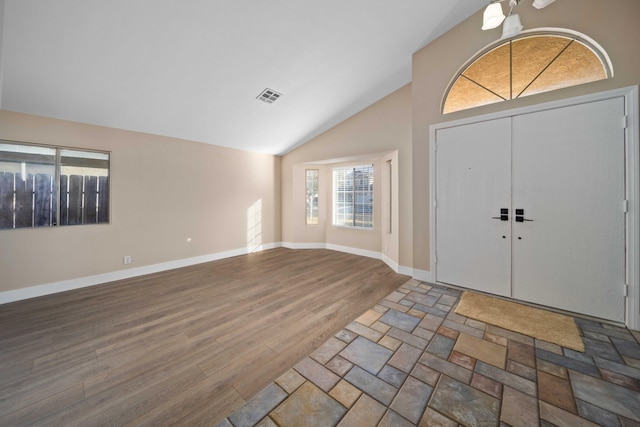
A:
(376, 134)
(163, 192)
(612, 24)
(214, 215)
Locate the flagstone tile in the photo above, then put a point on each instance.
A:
(514, 381)
(266, 422)
(346, 336)
(476, 324)
(496, 339)
(368, 317)
(626, 422)
(447, 368)
(597, 415)
(366, 412)
(345, 393)
(634, 363)
(308, 406)
(568, 363)
(381, 327)
(423, 333)
(390, 342)
(629, 371)
(627, 348)
(610, 397)
(326, 351)
(391, 419)
(431, 310)
(407, 303)
(339, 365)
(556, 391)
(449, 333)
(576, 355)
(448, 300)
(487, 385)
(465, 404)
(393, 376)
(562, 418)
(258, 407)
(364, 331)
(521, 370)
(431, 322)
(400, 320)
(605, 350)
(405, 357)
(621, 380)
(611, 333)
(464, 328)
(522, 353)
(395, 296)
(420, 298)
(366, 354)
(463, 360)
(441, 346)
(394, 306)
(434, 418)
(518, 409)
(317, 374)
(514, 336)
(412, 399)
(582, 322)
(595, 336)
(290, 381)
(408, 338)
(416, 313)
(373, 386)
(453, 316)
(553, 369)
(480, 349)
(425, 374)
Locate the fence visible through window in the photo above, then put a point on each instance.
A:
(47, 186)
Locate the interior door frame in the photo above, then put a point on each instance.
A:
(632, 182)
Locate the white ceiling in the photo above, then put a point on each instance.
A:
(192, 69)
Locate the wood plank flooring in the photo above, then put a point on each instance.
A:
(182, 347)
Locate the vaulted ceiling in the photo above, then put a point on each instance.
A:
(192, 69)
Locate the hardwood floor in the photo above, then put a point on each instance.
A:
(182, 347)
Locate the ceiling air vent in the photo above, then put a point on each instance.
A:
(269, 96)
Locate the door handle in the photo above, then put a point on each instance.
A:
(504, 215)
(520, 216)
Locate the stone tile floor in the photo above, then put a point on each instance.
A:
(412, 361)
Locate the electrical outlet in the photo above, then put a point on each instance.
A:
(127, 259)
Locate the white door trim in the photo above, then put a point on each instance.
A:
(632, 182)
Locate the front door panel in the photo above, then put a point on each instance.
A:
(473, 182)
(568, 177)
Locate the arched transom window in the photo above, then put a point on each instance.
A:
(528, 64)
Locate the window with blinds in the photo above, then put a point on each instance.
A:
(353, 197)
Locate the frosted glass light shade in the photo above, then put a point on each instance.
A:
(512, 26)
(492, 16)
(539, 4)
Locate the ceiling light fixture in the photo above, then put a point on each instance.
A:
(493, 16)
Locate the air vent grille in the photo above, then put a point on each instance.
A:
(269, 96)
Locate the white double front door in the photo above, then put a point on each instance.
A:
(532, 207)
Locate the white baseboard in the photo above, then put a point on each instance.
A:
(83, 282)
(422, 275)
